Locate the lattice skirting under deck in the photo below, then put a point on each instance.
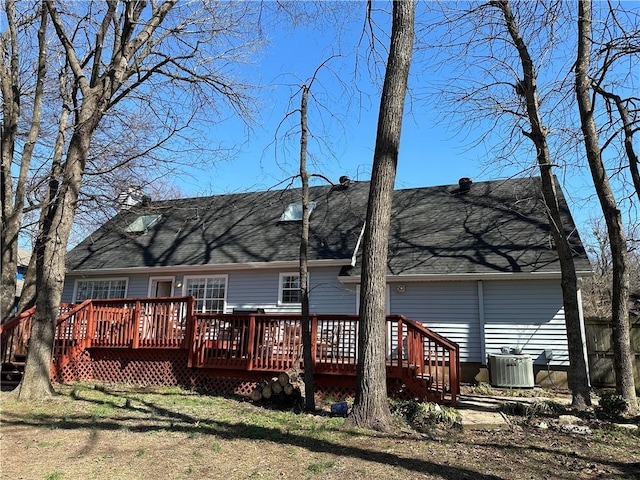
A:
(169, 368)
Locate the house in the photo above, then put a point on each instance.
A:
(474, 262)
(23, 262)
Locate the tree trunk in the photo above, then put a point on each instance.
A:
(622, 355)
(577, 376)
(50, 254)
(371, 408)
(309, 400)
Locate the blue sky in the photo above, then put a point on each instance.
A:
(431, 153)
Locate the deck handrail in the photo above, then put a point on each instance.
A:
(158, 322)
(72, 335)
(14, 335)
(437, 361)
(17, 319)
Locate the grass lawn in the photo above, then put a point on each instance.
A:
(112, 432)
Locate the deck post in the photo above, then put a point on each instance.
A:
(251, 341)
(314, 339)
(190, 334)
(91, 326)
(136, 326)
(454, 376)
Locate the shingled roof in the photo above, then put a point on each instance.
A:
(498, 226)
(227, 229)
(495, 227)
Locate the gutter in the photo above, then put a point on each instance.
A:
(461, 277)
(219, 267)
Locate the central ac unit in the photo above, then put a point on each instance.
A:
(514, 371)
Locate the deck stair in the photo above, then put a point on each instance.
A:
(12, 371)
(251, 346)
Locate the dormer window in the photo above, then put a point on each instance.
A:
(142, 223)
(293, 212)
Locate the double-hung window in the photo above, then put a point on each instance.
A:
(290, 289)
(209, 293)
(112, 288)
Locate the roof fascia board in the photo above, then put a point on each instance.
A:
(222, 267)
(468, 276)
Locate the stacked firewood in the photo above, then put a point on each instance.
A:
(287, 389)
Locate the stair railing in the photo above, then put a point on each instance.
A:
(430, 357)
(74, 332)
(15, 335)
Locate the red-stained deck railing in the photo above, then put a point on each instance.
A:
(272, 342)
(15, 336)
(252, 342)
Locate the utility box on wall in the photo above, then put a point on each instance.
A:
(513, 371)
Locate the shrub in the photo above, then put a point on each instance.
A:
(611, 406)
(425, 414)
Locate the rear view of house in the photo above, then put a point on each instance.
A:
(474, 262)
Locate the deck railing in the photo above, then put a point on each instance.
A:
(15, 336)
(262, 342)
(141, 323)
(272, 342)
(72, 335)
(431, 357)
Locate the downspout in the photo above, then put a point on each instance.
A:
(481, 321)
(355, 250)
(584, 336)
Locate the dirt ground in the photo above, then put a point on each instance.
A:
(90, 433)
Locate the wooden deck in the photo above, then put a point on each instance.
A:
(162, 340)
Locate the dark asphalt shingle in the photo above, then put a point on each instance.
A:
(497, 226)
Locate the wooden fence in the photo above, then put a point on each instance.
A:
(600, 350)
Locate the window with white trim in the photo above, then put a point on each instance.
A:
(209, 293)
(290, 289)
(100, 288)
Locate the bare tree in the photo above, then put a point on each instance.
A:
(118, 52)
(597, 288)
(616, 45)
(578, 378)
(309, 390)
(613, 218)
(371, 408)
(15, 93)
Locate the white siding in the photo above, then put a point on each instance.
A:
(448, 308)
(250, 289)
(328, 295)
(526, 314)
(259, 289)
(138, 286)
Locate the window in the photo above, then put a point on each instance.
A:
(142, 223)
(290, 288)
(209, 292)
(114, 288)
(293, 212)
